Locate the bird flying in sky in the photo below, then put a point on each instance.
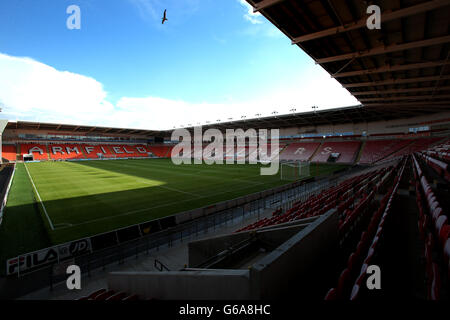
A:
(164, 17)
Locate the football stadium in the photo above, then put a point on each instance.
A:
(357, 208)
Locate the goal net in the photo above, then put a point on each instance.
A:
(294, 170)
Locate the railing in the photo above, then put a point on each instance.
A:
(160, 266)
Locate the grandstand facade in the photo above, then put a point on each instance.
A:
(354, 142)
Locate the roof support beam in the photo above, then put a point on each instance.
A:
(265, 4)
(376, 92)
(424, 97)
(385, 17)
(394, 81)
(388, 68)
(386, 49)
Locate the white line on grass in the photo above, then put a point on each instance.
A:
(150, 208)
(173, 189)
(39, 197)
(168, 188)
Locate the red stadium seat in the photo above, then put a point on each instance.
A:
(117, 297)
(9, 152)
(331, 294)
(104, 295)
(93, 294)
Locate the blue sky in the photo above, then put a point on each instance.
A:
(213, 59)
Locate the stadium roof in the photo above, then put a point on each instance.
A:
(351, 114)
(89, 130)
(403, 65)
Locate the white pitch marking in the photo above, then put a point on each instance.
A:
(150, 208)
(40, 200)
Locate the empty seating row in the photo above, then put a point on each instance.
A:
(374, 233)
(375, 150)
(110, 295)
(416, 146)
(441, 167)
(350, 279)
(318, 204)
(432, 221)
(441, 150)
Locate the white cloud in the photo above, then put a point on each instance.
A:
(30, 90)
(254, 18)
(147, 8)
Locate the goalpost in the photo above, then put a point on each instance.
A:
(294, 170)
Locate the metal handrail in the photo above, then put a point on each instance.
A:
(160, 266)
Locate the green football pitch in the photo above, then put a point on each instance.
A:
(78, 199)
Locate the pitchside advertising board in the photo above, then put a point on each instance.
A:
(47, 256)
(56, 254)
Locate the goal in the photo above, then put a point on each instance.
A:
(294, 170)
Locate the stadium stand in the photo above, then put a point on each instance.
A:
(115, 151)
(126, 151)
(142, 150)
(65, 151)
(361, 229)
(265, 155)
(350, 192)
(92, 151)
(9, 152)
(441, 167)
(160, 151)
(299, 151)
(441, 151)
(345, 151)
(39, 151)
(414, 146)
(376, 150)
(434, 230)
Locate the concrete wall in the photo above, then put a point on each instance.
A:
(293, 261)
(201, 250)
(183, 285)
(296, 260)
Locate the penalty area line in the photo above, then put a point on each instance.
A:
(39, 197)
